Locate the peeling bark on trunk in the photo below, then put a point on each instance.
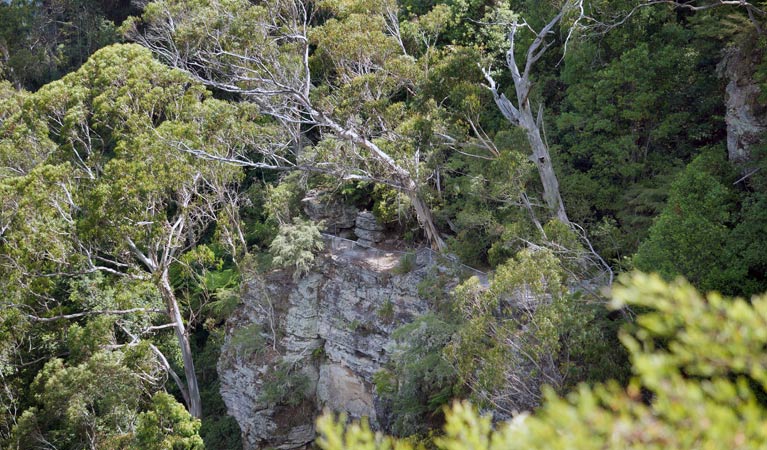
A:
(545, 167)
(522, 114)
(166, 290)
(426, 220)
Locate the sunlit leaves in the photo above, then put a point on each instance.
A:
(108, 197)
(167, 426)
(295, 246)
(80, 404)
(695, 361)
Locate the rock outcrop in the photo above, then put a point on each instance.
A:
(295, 348)
(746, 117)
(338, 217)
(369, 232)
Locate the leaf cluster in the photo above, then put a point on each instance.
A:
(698, 373)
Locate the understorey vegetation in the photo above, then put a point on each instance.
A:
(591, 172)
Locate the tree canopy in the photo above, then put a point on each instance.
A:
(156, 157)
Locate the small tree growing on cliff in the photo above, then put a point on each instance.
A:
(295, 246)
(527, 331)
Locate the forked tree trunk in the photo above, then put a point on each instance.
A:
(522, 114)
(166, 290)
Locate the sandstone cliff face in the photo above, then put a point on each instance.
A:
(330, 332)
(746, 118)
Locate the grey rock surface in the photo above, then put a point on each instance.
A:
(746, 117)
(337, 216)
(367, 221)
(369, 232)
(333, 327)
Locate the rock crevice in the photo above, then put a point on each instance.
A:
(326, 335)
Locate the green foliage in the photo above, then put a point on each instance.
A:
(626, 121)
(284, 385)
(42, 43)
(99, 204)
(89, 404)
(93, 176)
(248, 340)
(206, 280)
(689, 236)
(527, 330)
(708, 232)
(509, 243)
(698, 371)
(407, 264)
(421, 380)
(391, 206)
(295, 246)
(470, 248)
(760, 75)
(167, 426)
(283, 201)
(747, 255)
(105, 155)
(433, 288)
(318, 354)
(219, 430)
(384, 382)
(386, 311)
(334, 435)
(259, 226)
(478, 194)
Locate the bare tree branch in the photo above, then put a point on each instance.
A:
(110, 312)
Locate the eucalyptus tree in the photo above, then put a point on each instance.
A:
(568, 18)
(92, 185)
(523, 114)
(332, 74)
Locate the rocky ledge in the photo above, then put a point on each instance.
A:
(294, 349)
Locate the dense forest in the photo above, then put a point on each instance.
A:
(584, 175)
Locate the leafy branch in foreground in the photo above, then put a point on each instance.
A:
(698, 363)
